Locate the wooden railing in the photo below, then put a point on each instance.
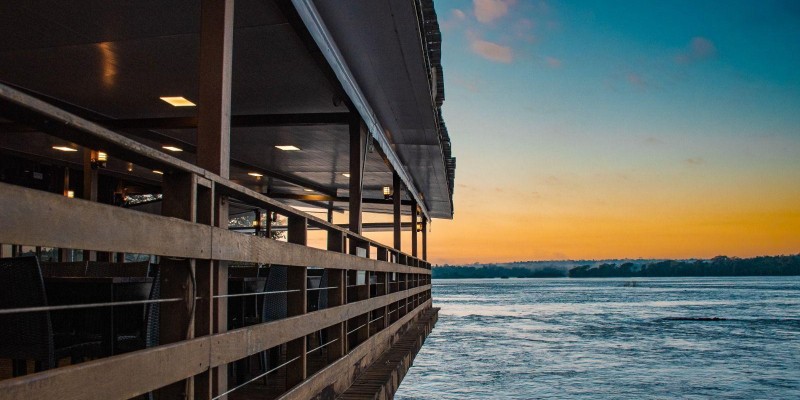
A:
(32, 217)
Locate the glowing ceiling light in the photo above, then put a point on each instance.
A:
(178, 101)
(102, 157)
(256, 174)
(308, 190)
(172, 148)
(64, 148)
(155, 171)
(287, 148)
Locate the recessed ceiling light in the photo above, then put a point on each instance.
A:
(256, 174)
(346, 175)
(177, 101)
(64, 148)
(172, 148)
(308, 190)
(155, 171)
(288, 148)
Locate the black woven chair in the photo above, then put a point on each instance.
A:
(63, 269)
(29, 335)
(148, 335)
(274, 308)
(131, 269)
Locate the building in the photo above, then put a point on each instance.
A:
(190, 136)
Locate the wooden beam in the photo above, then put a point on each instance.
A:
(337, 199)
(414, 230)
(213, 154)
(425, 238)
(237, 121)
(296, 301)
(396, 200)
(177, 276)
(358, 142)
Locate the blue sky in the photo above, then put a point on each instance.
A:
(610, 115)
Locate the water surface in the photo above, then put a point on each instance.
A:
(644, 338)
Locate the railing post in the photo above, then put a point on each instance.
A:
(424, 238)
(213, 154)
(414, 220)
(337, 297)
(296, 303)
(177, 276)
(396, 201)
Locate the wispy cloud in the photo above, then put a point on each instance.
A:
(523, 29)
(490, 50)
(487, 11)
(695, 161)
(469, 84)
(553, 62)
(636, 80)
(699, 49)
(454, 19)
(652, 140)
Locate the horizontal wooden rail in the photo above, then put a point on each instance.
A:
(228, 245)
(128, 375)
(118, 377)
(227, 347)
(59, 123)
(340, 374)
(33, 217)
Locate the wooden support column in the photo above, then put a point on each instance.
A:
(213, 154)
(176, 322)
(257, 222)
(296, 303)
(396, 198)
(89, 190)
(337, 297)
(358, 142)
(63, 254)
(414, 220)
(425, 238)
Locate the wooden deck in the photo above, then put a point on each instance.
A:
(381, 380)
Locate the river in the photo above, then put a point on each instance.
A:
(637, 338)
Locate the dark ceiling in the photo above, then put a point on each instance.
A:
(113, 60)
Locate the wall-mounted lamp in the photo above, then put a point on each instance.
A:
(99, 160)
(419, 226)
(387, 192)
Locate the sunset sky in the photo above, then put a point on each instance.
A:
(621, 129)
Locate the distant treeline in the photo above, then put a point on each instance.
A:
(717, 266)
(494, 271)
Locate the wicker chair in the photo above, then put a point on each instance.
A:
(148, 335)
(29, 335)
(275, 307)
(63, 269)
(131, 269)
